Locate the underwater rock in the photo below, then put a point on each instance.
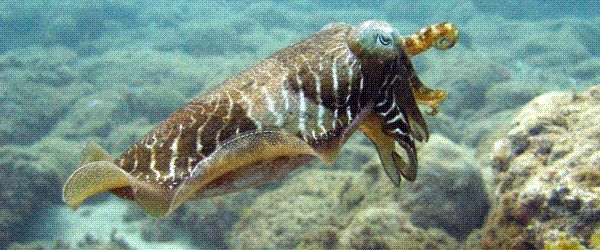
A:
(267, 14)
(210, 229)
(467, 77)
(157, 230)
(27, 188)
(38, 87)
(546, 173)
(450, 191)
(357, 152)
(391, 228)
(307, 202)
(324, 209)
(91, 116)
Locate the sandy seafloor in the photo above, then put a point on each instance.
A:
(109, 70)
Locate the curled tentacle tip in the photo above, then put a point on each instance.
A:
(449, 39)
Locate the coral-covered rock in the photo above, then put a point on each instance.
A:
(391, 228)
(327, 209)
(449, 193)
(305, 204)
(547, 173)
(27, 187)
(157, 230)
(38, 86)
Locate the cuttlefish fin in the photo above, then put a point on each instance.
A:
(93, 178)
(242, 151)
(392, 162)
(81, 184)
(102, 176)
(94, 152)
(99, 174)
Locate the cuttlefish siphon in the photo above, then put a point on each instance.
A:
(299, 104)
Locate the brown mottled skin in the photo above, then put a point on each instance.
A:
(319, 90)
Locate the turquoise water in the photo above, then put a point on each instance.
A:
(109, 71)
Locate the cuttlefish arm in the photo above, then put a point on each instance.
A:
(244, 151)
(442, 36)
(393, 164)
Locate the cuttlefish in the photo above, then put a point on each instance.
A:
(299, 104)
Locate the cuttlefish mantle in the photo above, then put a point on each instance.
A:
(301, 103)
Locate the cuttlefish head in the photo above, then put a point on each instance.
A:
(375, 41)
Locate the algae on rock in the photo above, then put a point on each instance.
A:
(547, 173)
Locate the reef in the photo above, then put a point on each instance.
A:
(31, 182)
(38, 86)
(546, 173)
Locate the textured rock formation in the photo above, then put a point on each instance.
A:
(547, 173)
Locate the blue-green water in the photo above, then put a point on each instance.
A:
(109, 71)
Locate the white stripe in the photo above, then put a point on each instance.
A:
(335, 91)
(174, 154)
(135, 158)
(189, 164)
(392, 107)
(321, 109)
(349, 113)
(271, 107)
(302, 106)
(230, 107)
(226, 118)
(249, 106)
(152, 160)
(398, 131)
(398, 117)
(285, 95)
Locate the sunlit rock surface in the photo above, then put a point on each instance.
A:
(547, 173)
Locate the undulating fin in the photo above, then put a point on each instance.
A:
(241, 151)
(103, 176)
(93, 178)
(94, 152)
(385, 146)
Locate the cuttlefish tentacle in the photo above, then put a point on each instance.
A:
(442, 36)
(392, 162)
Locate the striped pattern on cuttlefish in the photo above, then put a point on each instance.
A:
(301, 103)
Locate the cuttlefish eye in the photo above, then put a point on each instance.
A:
(375, 40)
